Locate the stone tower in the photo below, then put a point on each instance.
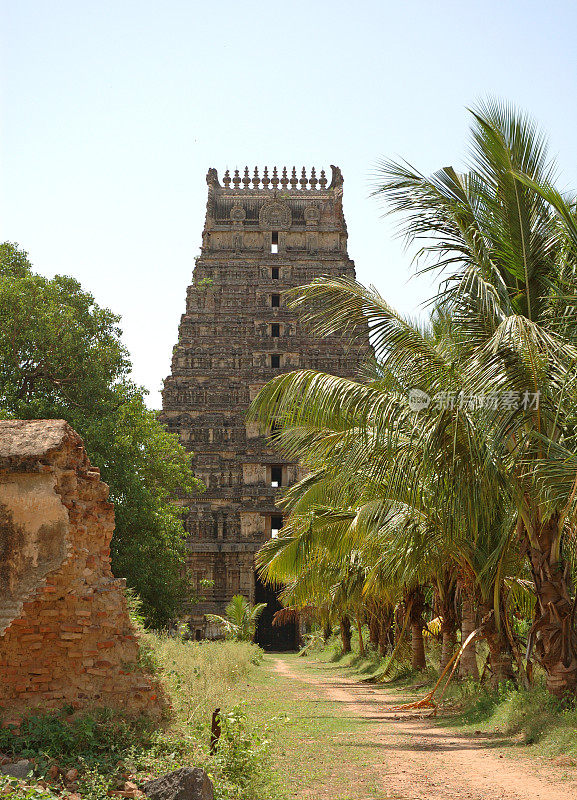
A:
(262, 235)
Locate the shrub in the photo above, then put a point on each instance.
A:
(241, 763)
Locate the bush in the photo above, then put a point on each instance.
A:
(99, 739)
(241, 764)
(13, 789)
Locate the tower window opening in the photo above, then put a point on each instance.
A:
(275, 361)
(276, 523)
(275, 300)
(276, 477)
(275, 273)
(274, 242)
(275, 330)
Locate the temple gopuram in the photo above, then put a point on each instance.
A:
(263, 234)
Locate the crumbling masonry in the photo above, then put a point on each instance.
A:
(262, 236)
(65, 633)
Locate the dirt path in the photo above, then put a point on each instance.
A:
(417, 760)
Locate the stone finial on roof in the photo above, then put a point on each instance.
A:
(313, 179)
(337, 179)
(242, 180)
(212, 177)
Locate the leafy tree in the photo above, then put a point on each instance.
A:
(146, 468)
(59, 350)
(61, 357)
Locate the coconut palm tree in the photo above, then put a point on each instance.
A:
(240, 620)
(507, 242)
(503, 470)
(407, 484)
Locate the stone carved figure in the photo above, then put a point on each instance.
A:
(275, 215)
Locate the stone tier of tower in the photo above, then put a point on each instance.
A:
(262, 235)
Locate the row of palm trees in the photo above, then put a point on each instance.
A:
(444, 482)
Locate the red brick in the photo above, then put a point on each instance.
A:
(50, 653)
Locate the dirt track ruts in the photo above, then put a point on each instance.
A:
(418, 760)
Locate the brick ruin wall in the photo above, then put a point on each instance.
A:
(65, 633)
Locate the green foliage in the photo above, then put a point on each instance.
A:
(100, 739)
(104, 746)
(201, 675)
(241, 764)
(13, 789)
(61, 357)
(460, 490)
(146, 468)
(59, 351)
(92, 785)
(14, 261)
(134, 605)
(241, 618)
(203, 283)
(533, 717)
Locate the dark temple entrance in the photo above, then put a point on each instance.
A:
(269, 636)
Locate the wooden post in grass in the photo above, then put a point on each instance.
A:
(215, 731)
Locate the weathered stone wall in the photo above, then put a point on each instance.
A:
(65, 633)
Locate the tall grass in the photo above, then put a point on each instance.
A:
(203, 676)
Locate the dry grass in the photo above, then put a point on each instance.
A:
(203, 676)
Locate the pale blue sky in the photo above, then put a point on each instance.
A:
(113, 111)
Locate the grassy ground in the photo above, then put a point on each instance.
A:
(281, 739)
(313, 741)
(531, 720)
(293, 719)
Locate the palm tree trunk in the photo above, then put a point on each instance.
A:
(361, 641)
(418, 660)
(373, 629)
(468, 667)
(417, 601)
(449, 641)
(553, 630)
(448, 624)
(385, 630)
(500, 656)
(345, 626)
